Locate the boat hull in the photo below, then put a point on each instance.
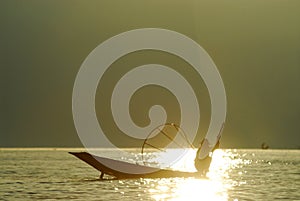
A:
(111, 167)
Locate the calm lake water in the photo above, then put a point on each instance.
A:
(51, 174)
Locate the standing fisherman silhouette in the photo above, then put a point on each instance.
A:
(202, 164)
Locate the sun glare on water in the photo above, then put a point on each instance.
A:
(212, 188)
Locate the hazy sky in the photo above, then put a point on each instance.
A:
(255, 45)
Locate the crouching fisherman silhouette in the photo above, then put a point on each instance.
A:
(202, 163)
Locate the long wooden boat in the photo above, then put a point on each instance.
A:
(124, 170)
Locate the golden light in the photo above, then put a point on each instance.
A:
(200, 189)
(212, 188)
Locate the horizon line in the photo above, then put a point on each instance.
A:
(107, 148)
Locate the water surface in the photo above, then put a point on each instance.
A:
(51, 174)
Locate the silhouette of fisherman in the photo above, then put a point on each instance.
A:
(264, 146)
(202, 165)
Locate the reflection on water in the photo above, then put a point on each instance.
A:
(190, 189)
(214, 187)
(52, 174)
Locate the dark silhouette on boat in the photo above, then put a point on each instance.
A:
(264, 146)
